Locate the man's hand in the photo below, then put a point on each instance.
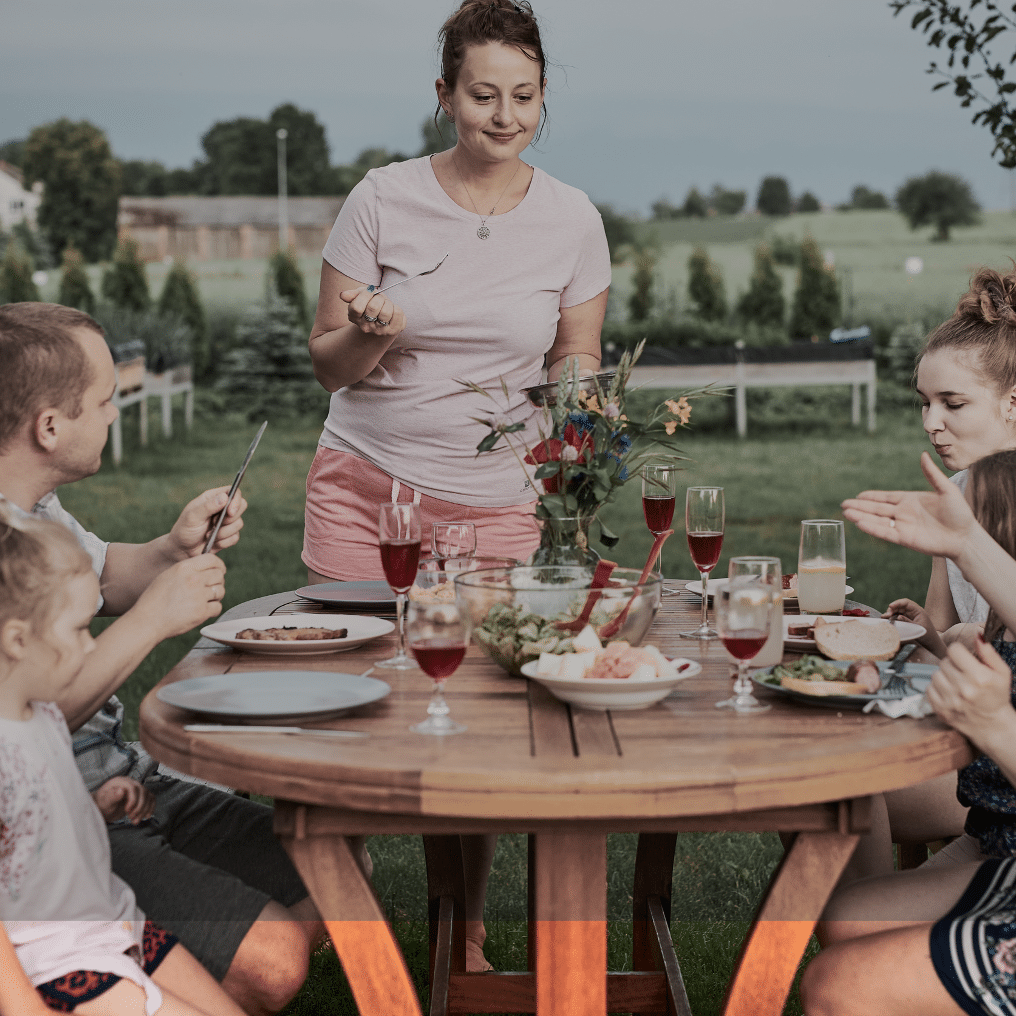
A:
(121, 797)
(182, 597)
(190, 531)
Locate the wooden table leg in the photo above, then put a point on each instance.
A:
(446, 911)
(786, 918)
(370, 956)
(571, 924)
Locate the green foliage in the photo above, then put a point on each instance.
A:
(640, 303)
(786, 249)
(807, 202)
(166, 338)
(816, 308)
(139, 178)
(663, 210)
(966, 39)
(689, 333)
(269, 374)
(81, 181)
(726, 202)
(286, 280)
(16, 285)
(773, 196)
(75, 289)
(179, 298)
(694, 205)
(942, 200)
(763, 304)
(863, 198)
(13, 152)
(125, 283)
(705, 287)
(905, 344)
(619, 230)
(35, 244)
(436, 137)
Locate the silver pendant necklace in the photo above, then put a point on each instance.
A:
(483, 232)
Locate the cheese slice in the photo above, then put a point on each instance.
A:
(587, 639)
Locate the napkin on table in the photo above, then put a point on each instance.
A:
(911, 705)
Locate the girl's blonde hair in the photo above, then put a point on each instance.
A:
(36, 557)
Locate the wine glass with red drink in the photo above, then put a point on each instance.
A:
(399, 536)
(659, 495)
(438, 636)
(704, 521)
(746, 609)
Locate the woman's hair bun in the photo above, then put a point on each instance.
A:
(991, 297)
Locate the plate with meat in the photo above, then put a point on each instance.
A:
(838, 684)
(298, 634)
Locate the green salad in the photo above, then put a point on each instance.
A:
(512, 636)
(807, 668)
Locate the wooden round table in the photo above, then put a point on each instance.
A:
(567, 776)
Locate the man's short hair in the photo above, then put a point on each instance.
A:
(43, 364)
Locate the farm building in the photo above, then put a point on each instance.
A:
(202, 228)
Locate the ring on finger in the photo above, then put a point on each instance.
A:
(384, 324)
(367, 317)
(892, 523)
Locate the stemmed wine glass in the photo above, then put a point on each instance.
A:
(747, 610)
(438, 636)
(704, 521)
(453, 539)
(399, 534)
(659, 495)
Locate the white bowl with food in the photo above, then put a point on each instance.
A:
(298, 634)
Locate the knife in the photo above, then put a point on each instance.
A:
(236, 728)
(214, 535)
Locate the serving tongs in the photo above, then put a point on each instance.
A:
(600, 577)
(429, 271)
(611, 628)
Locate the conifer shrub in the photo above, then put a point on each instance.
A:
(75, 289)
(16, 285)
(286, 280)
(640, 303)
(763, 304)
(706, 290)
(124, 283)
(816, 307)
(179, 298)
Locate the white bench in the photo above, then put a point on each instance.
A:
(163, 386)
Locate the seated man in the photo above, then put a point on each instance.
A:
(207, 867)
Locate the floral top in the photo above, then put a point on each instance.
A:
(990, 796)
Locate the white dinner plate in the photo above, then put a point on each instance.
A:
(620, 693)
(789, 596)
(908, 631)
(918, 674)
(274, 695)
(359, 629)
(372, 595)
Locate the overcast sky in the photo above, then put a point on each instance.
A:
(647, 97)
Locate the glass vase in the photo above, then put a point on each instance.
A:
(565, 541)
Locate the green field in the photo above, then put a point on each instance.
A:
(772, 481)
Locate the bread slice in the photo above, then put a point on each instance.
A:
(857, 639)
(822, 687)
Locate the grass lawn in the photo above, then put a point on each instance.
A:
(772, 481)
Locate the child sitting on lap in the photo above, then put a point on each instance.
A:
(75, 927)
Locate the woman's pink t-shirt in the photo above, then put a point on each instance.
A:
(488, 314)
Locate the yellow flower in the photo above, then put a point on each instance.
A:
(592, 403)
(670, 427)
(681, 409)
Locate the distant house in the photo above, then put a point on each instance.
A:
(202, 228)
(16, 203)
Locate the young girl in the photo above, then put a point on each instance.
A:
(75, 927)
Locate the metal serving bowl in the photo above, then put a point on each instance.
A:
(511, 610)
(546, 395)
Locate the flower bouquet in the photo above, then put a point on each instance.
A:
(590, 446)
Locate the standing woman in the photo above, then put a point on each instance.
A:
(524, 285)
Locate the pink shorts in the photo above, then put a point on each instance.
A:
(341, 530)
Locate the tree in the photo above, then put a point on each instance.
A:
(705, 287)
(694, 205)
(179, 298)
(938, 199)
(619, 230)
(863, 198)
(143, 179)
(763, 304)
(727, 202)
(816, 308)
(640, 303)
(13, 151)
(75, 289)
(125, 283)
(81, 181)
(16, 283)
(807, 202)
(968, 39)
(286, 280)
(773, 196)
(437, 137)
(663, 210)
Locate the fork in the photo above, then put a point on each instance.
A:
(897, 685)
(429, 271)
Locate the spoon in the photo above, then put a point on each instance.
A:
(611, 628)
(600, 576)
(429, 271)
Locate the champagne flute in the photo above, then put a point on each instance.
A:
(659, 495)
(399, 536)
(438, 636)
(822, 567)
(453, 539)
(704, 521)
(748, 607)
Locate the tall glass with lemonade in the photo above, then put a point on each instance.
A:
(822, 567)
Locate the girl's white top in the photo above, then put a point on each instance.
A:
(490, 312)
(970, 605)
(62, 906)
